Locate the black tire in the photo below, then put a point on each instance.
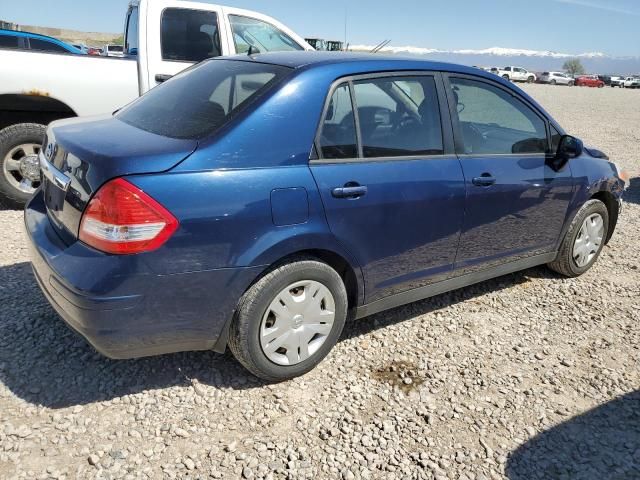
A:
(10, 138)
(530, 79)
(506, 77)
(564, 263)
(244, 339)
(553, 82)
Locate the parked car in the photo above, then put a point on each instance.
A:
(617, 81)
(82, 47)
(186, 221)
(113, 51)
(631, 82)
(517, 74)
(556, 78)
(173, 35)
(94, 51)
(11, 39)
(589, 81)
(606, 79)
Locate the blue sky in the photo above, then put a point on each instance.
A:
(571, 26)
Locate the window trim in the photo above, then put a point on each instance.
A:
(458, 138)
(445, 118)
(215, 12)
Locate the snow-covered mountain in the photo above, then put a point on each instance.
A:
(595, 62)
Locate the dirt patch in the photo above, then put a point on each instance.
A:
(403, 375)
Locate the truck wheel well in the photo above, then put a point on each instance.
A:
(33, 107)
(612, 207)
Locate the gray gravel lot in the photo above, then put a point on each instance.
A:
(529, 376)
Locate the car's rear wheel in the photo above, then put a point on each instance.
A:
(19, 164)
(289, 320)
(530, 79)
(583, 241)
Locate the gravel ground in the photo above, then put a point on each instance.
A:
(529, 376)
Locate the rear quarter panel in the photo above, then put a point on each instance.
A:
(227, 218)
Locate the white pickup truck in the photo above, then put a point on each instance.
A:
(162, 38)
(516, 74)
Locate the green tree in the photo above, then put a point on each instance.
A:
(573, 67)
(118, 41)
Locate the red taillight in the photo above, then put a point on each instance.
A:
(122, 219)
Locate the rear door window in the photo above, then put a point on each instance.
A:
(338, 135)
(399, 116)
(260, 36)
(197, 102)
(7, 41)
(189, 35)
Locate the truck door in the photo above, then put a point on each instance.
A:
(178, 37)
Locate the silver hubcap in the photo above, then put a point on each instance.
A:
(297, 322)
(21, 167)
(588, 241)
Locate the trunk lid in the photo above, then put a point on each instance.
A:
(80, 155)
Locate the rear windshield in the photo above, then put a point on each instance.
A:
(115, 48)
(200, 100)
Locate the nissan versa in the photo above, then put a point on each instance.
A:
(259, 201)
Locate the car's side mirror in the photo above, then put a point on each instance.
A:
(569, 147)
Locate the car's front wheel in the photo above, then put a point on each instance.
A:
(289, 320)
(583, 241)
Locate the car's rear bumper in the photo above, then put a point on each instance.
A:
(121, 307)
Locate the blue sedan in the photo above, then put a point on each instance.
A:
(256, 202)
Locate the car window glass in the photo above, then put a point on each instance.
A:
(189, 35)
(493, 121)
(198, 102)
(507, 69)
(338, 135)
(131, 45)
(399, 117)
(259, 36)
(7, 41)
(44, 46)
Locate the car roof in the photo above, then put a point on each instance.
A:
(368, 62)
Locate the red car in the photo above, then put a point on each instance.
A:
(589, 81)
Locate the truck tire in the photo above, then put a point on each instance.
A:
(530, 79)
(19, 164)
(506, 77)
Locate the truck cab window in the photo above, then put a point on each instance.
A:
(259, 36)
(189, 35)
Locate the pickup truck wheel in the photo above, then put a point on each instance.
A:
(19, 165)
(530, 79)
(289, 320)
(506, 77)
